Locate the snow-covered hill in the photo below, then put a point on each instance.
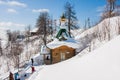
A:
(83, 66)
(113, 24)
(101, 64)
(77, 32)
(99, 34)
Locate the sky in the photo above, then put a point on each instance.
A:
(18, 14)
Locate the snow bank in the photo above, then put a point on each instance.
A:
(101, 64)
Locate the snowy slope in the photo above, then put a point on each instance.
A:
(92, 66)
(101, 64)
(98, 35)
(77, 32)
(113, 23)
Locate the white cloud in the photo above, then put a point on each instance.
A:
(40, 10)
(13, 3)
(2, 2)
(11, 24)
(12, 11)
(100, 9)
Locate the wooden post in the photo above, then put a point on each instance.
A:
(50, 56)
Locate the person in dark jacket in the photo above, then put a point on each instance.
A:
(32, 61)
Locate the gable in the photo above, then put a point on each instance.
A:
(61, 31)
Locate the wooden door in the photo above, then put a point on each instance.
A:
(62, 56)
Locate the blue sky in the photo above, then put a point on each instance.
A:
(17, 14)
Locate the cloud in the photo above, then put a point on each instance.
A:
(2, 3)
(100, 9)
(13, 3)
(12, 11)
(11, 24)
(40, 10)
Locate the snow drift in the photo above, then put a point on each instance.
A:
(101, 64)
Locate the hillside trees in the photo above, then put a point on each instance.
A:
(71, 17)
(111, 9)
(111, 4)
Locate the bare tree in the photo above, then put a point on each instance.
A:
(14, 47)
(17, 50)
(109, 10)
(27, 34)
(70, 15)
(50, 27)
(111, 7)
(107, 30)
(43, 26)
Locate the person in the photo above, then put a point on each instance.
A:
(32, 61)
(17, 77)
(32, 68)
(11, 76)
(47, 58)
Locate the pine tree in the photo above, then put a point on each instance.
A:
(70, 15)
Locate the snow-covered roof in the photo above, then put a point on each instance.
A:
(69, 42)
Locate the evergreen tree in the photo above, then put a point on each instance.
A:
(70, 15)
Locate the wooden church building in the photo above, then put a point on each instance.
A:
(63, 46)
